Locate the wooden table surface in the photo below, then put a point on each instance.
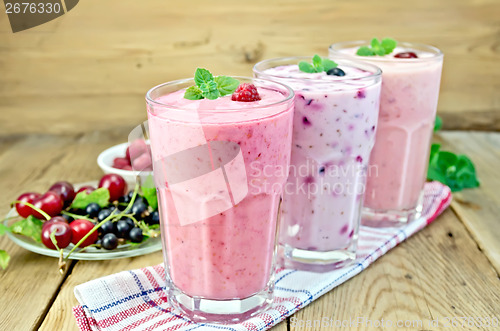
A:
(74, 86)
(449, 269)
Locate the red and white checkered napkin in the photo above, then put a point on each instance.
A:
(136, 299)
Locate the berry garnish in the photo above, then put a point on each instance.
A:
(246, 93)
(335, 72)
(406, 55)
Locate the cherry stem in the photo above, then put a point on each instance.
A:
(112, 215)
(44, 214)
(76, 216)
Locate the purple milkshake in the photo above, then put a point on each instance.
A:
(334, 128)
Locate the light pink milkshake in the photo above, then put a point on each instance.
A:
(218, 204)
(408, 103)
(333, 134)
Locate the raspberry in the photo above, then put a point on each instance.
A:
(246, 93)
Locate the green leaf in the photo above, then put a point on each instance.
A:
(99, 196)
(29, 227)
(202, 76)
(388, 44)
(317, 63)
(329, 64)
(306, 67)
(211, 95)
(226, 85)
(438, 124)
(377, 48)
(4, 259)
(365, 51)
(149, 192)
(3, 229)
(456, 171)
(193, 93)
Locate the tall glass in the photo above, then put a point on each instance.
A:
(219, 168)
(408, 105)
(333, 134)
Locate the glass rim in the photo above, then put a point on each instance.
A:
(287, 98)
(375, 72)
(337, 47)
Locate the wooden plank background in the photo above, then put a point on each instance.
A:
(89, 69)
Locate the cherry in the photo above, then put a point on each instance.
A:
(62, 234)
(115, 184)
(50, 202)
(79, 228)
(65, 190)
(406, 55)
(87, 189)
(55, 219)
(22, 209)
(120, 162)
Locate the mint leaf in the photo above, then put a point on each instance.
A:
(149, 192)
(317, 63)
(365, 51)
(4, 259)
(29, 227)
(306, 67)
(99, 196)
(456, 171)
(377, 48)
(226, 85)
(193, 93)
(389, 44)
(438, 124)
(202, 76)
(329, 64)
(212, 94)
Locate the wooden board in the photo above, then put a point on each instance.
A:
(92, 67)
(479, 209)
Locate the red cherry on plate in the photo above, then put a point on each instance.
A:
(65, 190)
(116, 185)
(50, 202)
(22, 209)
(79, 228)
(87, 189)
(120, 162)
(55, 219)
(62, 233)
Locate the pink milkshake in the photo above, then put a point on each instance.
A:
(400, 157)
(218, 167)
(333, 134)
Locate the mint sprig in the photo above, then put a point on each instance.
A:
(377, 47)
(456, 171)
(210, 87)
(318, 64)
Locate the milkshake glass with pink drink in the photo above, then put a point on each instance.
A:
(333, 133)
(400, 157)
(219, 168)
